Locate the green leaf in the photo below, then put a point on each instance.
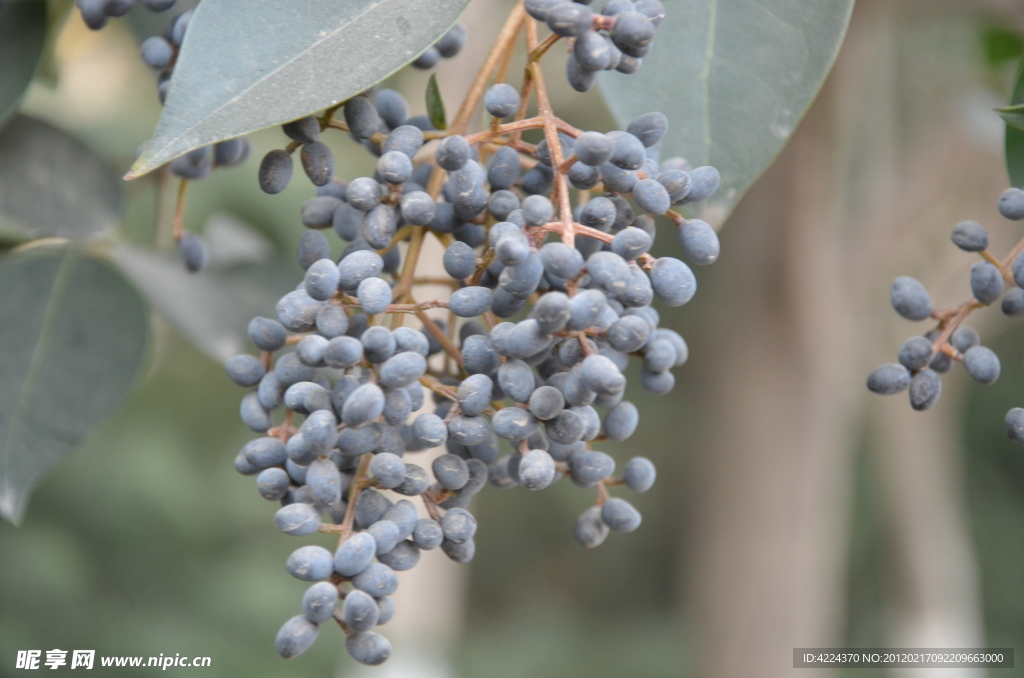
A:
(73, 339)
(1014, 136)
(1001, 45)
(211, 308)
(249, 64)
(435, 104)
(22, 35)
(1013, 115)
(51, 184)
(734, 78)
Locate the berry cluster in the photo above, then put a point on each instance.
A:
(160, 52)
(616, 39)
(922, 358)
(537, 337)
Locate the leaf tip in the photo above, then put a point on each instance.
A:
(139, 168)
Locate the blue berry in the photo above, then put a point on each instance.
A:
(296, 636)
(359, 611)
(910, 298)
(986, 282)
(310, 563)
(362, 117)
(982, 364)
(502, 100)
(377, 580)
(1011, 204)
(319, 601)
(368, 648)
(620, 516)
(649, 128)
(970, 236)
(699, 241)
(590, 529)
(889, 379)
(451, 471)
(639, 474)
(1015, 425)
(925, 389)
(304, 130)
(355, 554)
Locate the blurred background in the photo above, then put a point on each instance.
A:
(792, 508)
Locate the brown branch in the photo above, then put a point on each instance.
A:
(436, 332)
(401, 235)
(561, 188)
(431, 505)
(328, 116)
(436, 386)
(567, 165)
(537, 52)
(502, 44)
(285, 430)
(1007, 262)
(404, 288)
(447, 282)
(566, 128)
(485, 261)
(378, 137)
(517, 125)
(401, 308)
(585, 348)
(353, 495)
(987, 256)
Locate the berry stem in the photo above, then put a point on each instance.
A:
(1007, 262)
(543, 47)
(987, 256)
(584, 345)
(447, 282)
(437, 387)
(353, 496)
(177, 227)
(404, 288)
(431, 505)
(535, 122)
(561, 187)
(951, 317)
(436, 332)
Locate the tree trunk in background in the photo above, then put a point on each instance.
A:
(887, 161)
(771, 512)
